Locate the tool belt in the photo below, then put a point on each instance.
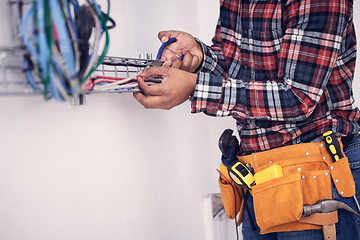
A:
(278, 203)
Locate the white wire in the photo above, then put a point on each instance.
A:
(57, 81)
(118, 82)
(105, 87)
(119, 88)
(74, 80)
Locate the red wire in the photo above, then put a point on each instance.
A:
(223, 177)
(107, 77)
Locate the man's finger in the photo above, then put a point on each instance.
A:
(150, 102)
(153, 90)
(176, 63)
(195, 63)
(186, 62)
(164, 36)
(153, 71)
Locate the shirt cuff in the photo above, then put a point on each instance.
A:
(207, 94)
(209, 61)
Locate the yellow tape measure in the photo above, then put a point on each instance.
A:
(241, 175)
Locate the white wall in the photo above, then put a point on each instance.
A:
(111, 169)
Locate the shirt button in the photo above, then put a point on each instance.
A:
(246, 66)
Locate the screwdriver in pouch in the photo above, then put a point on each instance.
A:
(333, 146)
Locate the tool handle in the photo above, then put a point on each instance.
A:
(164, 45)
(333, 146)
(329, 232)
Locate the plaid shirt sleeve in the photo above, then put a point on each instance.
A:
(273, 60)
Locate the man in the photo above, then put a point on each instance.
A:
(283, 69)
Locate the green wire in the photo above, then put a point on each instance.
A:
(49, 35)
(43, 79)
(106, 47)
(50, 41)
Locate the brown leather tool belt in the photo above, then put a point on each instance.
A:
(307, 173)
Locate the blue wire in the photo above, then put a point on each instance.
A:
(62, 77)
(45, 60)
(97, 9)
(72, 20)
(30, 48)
(35, 39)
(52, 86)
(41, 57)
(43, 47)
(29, 76)
(27, 21)
(23, 35)
(64, 38)
(76, 6)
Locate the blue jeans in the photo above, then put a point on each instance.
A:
(348, 227)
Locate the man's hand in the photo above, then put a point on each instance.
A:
(176, 87)
(185, 45)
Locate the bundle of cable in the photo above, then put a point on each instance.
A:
(100, 84)
(63, 41)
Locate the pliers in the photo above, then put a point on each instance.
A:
(157, 62)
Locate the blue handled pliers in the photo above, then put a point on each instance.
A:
(157, 62)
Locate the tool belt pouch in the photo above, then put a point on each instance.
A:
(307, 172)
(342, 177)
(228, 198)
(278, 201)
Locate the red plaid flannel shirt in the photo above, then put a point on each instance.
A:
(283, 69)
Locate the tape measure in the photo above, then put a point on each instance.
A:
(333, 146)
(241, 175)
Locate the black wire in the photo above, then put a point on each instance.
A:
(248, 211)
(84, 25)
(113, 24)
(125, 64)
(20, 8)
(236, 227)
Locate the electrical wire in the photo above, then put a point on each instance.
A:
(122, 81)
(93, 58)
(55, 41)
(106, 46)
(236, 227)
(224, 180)
(28, 67)
(64, 40)
(106, 83)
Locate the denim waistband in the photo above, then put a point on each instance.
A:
(353, 152)
(354, 144)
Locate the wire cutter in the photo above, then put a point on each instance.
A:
(157, 62)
